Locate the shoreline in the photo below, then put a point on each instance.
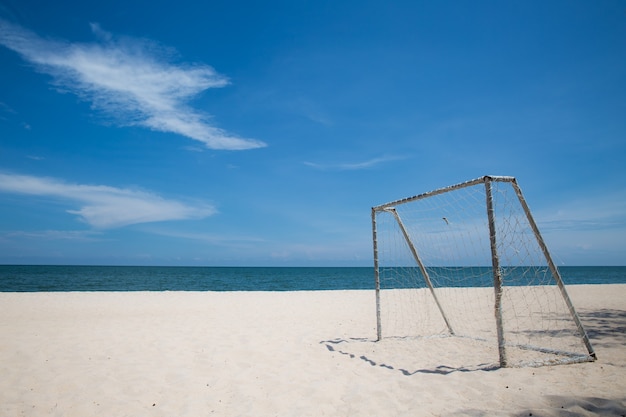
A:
(190, 353)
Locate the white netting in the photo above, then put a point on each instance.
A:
(450, 237)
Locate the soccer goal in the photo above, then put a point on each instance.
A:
(468, 261)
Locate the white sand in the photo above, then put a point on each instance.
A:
(276, 354)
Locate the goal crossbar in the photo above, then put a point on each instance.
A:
(483, 179)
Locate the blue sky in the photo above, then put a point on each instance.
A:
(261, 133)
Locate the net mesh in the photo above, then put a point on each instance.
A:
(450, 237)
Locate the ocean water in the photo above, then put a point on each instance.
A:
(22, 278)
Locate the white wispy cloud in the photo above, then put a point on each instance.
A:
(133, 81)
(588, 230)
(310, 110)
(229, 239)
(596, 212)
(103, 206)
(352, 166)
(5, 108)
(77, 235)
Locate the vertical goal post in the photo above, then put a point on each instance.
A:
(440, 248)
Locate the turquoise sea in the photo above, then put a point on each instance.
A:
(22, 278)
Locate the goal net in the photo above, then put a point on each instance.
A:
(467, 261)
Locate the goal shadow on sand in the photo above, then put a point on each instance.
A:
(560, 406)
(400, 355)
(605, 327)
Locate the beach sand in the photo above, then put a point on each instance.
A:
(309, 353)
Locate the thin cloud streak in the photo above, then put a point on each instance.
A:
(76, 235)
(105, 207)
(599, 212)
(206, 237)
(129, 80)
(353, 166)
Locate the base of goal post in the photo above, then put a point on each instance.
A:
(468, 260)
